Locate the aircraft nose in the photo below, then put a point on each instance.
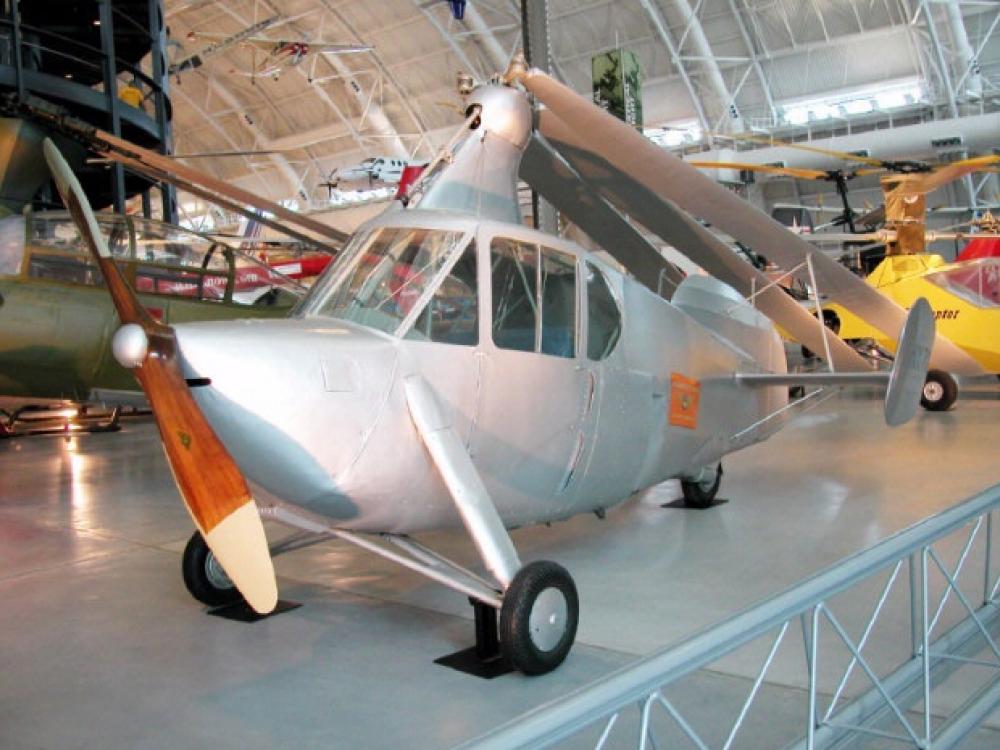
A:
(292, 401)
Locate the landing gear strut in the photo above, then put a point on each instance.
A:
(700, 491)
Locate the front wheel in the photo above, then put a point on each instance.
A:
(701, 492)
(204, 577)
(940, 391)
(538, 617)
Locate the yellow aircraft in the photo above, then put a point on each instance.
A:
(965, 298)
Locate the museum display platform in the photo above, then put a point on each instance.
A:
(104, 647)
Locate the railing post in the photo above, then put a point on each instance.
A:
(925, 645)
(988, 572)
(813, 658)
(914, 614)
(110, 69)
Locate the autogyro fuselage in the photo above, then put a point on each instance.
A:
(454, 367)
(571, 385)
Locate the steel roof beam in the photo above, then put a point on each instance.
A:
(660, 25)
(754, 59)
(711, 67)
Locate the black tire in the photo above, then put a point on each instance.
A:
(539, 646)
(940, 391)
(204, 577)
(702, 494)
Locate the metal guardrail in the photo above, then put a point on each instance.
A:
(886, 710)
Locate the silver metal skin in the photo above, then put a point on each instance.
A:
(481, 180)
(365, 428)
(315, 410)
(129, 345)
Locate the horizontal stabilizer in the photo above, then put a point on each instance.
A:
(904, 382)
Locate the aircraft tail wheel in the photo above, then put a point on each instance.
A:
(538, 617)
(701, 492)
(204, 577)
(940, 391)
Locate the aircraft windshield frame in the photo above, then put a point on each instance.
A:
(977, 282)
(384, 277)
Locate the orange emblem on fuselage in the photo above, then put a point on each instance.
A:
(684, 395)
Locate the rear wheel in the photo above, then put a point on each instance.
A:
(940, 391)
(701, 492)
(538, 617)
(204, 577)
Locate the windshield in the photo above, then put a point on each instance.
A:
(977, 282)
(380, 276)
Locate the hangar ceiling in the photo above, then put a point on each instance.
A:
(709, 66)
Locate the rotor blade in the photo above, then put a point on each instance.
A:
(803, 174)
(770, 141)
(664, 219)
(211, 485)
(615, 156)
(544, 170)
(928, 183)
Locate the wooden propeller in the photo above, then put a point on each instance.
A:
(210, 483)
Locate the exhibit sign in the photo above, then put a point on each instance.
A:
(617, 82)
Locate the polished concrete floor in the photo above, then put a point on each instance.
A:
(102, 647)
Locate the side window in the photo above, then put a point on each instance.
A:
(514, 274)
(604, 321)
(558, 303)
(452, 314)
(534, 298)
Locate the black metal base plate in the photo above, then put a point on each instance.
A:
(679, 503)
(468, 662)
(241, 611)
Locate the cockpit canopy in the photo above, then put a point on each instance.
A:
(159, 258)
(423, 284)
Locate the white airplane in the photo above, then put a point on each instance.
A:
(373, 172)
(454, 368)
(278, 53)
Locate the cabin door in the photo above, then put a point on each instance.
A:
(528, 441)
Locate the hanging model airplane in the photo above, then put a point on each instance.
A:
(455, 368)
(281, 54)
(373, 172)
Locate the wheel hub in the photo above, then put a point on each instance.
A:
(547, 622)
(215, 573)
(933, 391)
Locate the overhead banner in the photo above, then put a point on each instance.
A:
(617, 82)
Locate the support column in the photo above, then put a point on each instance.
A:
(949, 88)
(712, 71)
(157, 56)
(656, 17)
(966, 55)
(111, 95)
(535, 30)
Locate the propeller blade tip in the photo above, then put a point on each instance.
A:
(239, 544)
